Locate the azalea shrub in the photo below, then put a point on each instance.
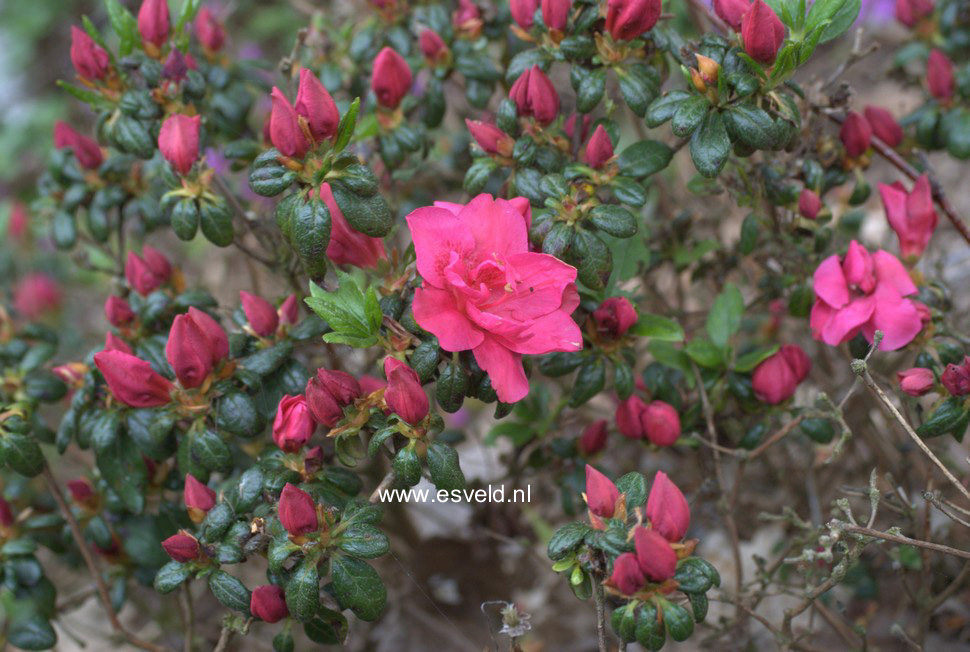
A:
(674, 267)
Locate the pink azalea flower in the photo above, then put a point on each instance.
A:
(485, 291)
(911, 215)
(864, 292)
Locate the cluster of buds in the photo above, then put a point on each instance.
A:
(614, 317)
(295, 129)
(147, 272)
(657, 421)
(327, 394)
(956, 378)
(912, 215)
(87, 152)
(535, 96)
(264, 319)
(858, 129)
(777, 377)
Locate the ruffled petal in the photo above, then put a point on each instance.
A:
(436, 312)
(504, 368)
(830, 285)
(891, 272)
(896, 317)
(846, 321)
(437, 233)
(497, 227)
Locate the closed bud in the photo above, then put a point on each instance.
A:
(293, 425)
(910, 12)
(762, 33)
(629, 19)
(732, 12)
(884, 125)
(390, 79)
(289, 310)
(599, 149)
(157, 262)
(86, 151)
(82, 492)
(36, 294)
(404, 395)
(615, 316)
(667, 508)
(593, 439)
(284, 127)
(627, 576)
(956, 378)
(569, 126)
(118, 312)
(328, 393)
(260, 314)
(628, 417)
(534, 95)
(268, 603)
(432, 46)
(209, 31)
(176, 66)
(855, 134)
(912, 215)
(523, 12)
(153, 21)
(178, 140)
(939, 75)
(198, 498)
(656, 558)
(697, 81)
(132, 381)
(297, 511)
(916, 381)
(798, 361)
(114, 343)
(188, 352)
(809, 204)
(555, 13)
(89, 59)
(601, 494)
(467, 19)
(140, 275)
(661, 423)
(72, 373)
(490, 138)
(708, 68)
(313, 460)
(776, 377)
(218, 340)
(349, 246)
(182, 547)
(314, 104)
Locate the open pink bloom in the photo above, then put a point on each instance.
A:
(864, 293)
(485, 291)
(910, 214)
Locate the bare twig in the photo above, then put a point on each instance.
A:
(385, 483)
(600, 617)
(900, 539)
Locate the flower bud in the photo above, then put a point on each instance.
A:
(555, 13)
(6, 514)
(391, 78)
(293, 425)
(297, 511)
(884, 125)
(855, 134)
(912, 215)
(432, 46)
(328, 393)
(182, 547)
(523, 12)
(260, 314)
(82, 492)
(776, 378)
(132, 381)
(315, 105)
(313, 460)
(656, 558)
(218, 340)
(72, 373)
(176, 66)
(956, 378)
(17, 224)
(569, 125)
(534, 95)
(916, 381)
(599, 149)
(615, 315)
(809, 204)
(289, 311)
(490, 138)
(188, 352)
(731, 11)
(404, 395)
(268, 603)
(629, 19)
(36, 294)
(708, 68)
(347, 245)
(157, 262)
(628, 417)
(939, 75)
(114, 343)
(627, 576)
(910, 12)
(86, 151)
(593, 439)
(797, 359)
(661, 423)
(153, 21)
(667, 508)
(601, 494)
(118, 312)
(209, 31)
(178, 140)
(284, 128)
(89, 59)
(140, 275)
(198, 498)
(762, 33)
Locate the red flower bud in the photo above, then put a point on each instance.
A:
(762, 33)
(627, 576)
(391, 78)
(90, 60)
(141, 277)
(916, 381)
(153, 21)
(628, 417)
(939, 75)
(601, 493)
(36, 294)
(297, 511)
(731, 11)
(569, 125)
(347, 245)
(6, 514)
(293, 425)
(314, 104)
(615, 315)
(661, 423)
(523, 12)
(176, 66)
(667, 508)
(182, 547)
(118, 312)
(157, 262)
(809, 204)
(209, 31)
(629, 19)
(555, 13)
(534, 94)
(284, 127)
(599, 149)
(490, 138)
(260, 314)
(956, 378)
(432, 46)
(290, 310)
(188, 351)
(404, 395)
(218, 340)
(114, 343)
(82, 492)
(776, 378)
(72, 373)
(855, 134)
(656, 558)
(797, 359)
(268, 603)
(17, 224)
(328, 393)
(593, 439)
(86, 151)
(178, 141)
(884, 125)
(909, 12)
(198, 496)
(132, 381)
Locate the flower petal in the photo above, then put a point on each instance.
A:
(847, 321)
(830, 285)
(436, 312)
(504, 368)
(889, 271)
(497, 226)
(896, 317)
(437, 233)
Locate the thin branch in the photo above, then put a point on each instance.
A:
(900, 539)
(600, 617)
(385, 483)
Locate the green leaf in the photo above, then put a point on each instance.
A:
(724, 319)
(88, 97)
(750, 125)
(658, 328)
(566, 539)
(678, 621)
(310, 234)
(236, 413)
(444, 468)
(634, 485)
(364, 540)
(944, 418)
(705, 353)
(644, 158)
(211, 451)
(592, 259)
(451, 387)
(750, 229)
(348, 123)
(229, 591)
(171, 576)
(32, 632)
(185, 218)
(689, 115)
(650, 630)
(613, 219)
(124, 25)
(407, 467)
(302, 591)
(691, 578)
(216, 223)
(354, 316)
(842, 20)
(22, 454)
(750, 360)
(663, 108)
(639, 85)
(358, 587)
(589, 381)
(699, 605)
(710, 145)
(589, 85)
(186, 14)
(368, 214)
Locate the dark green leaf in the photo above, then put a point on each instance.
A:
(358, 587)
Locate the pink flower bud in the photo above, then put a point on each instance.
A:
(178, 141)
(432, 46)
(667, 508)
(209, 31)
(404, 395)
(118, 312)
(629, 19)
(198, 496)
(218, 340)
(86, 151)
(328, 393)
(153, 21)
(627, 576)
(188, 351)
(290, 310)
(182, 547)
(89, 59)
(797, 359)
(732, 12)
(628, 417)
(939, 75)
(314, 104)
(176, 66)
(912, 215)
(284, 128)
(268, 603)
(157, 262)
(555, 13)
(534, 95)
(17, 224)
(916, 381)
(956, 378)
(293, 425)
(656, 558)
(6, 514)
(313, 460)
(599, 149)
(36, 294)
(593, 439)
(661, 423)
(391, 78)
(297, 511)
(114, 343)
(523, 12)
(82, 492)
(855, 134)
(72, 373)
(260, 314)
(490, 138)
(140, 275)
(132, 381)
(809, 204)
(615, 316)
(569, 125)
(762, 33)
(348, 246)
(884, 125)
(776, 377)
(601, 493)
(909, 12)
